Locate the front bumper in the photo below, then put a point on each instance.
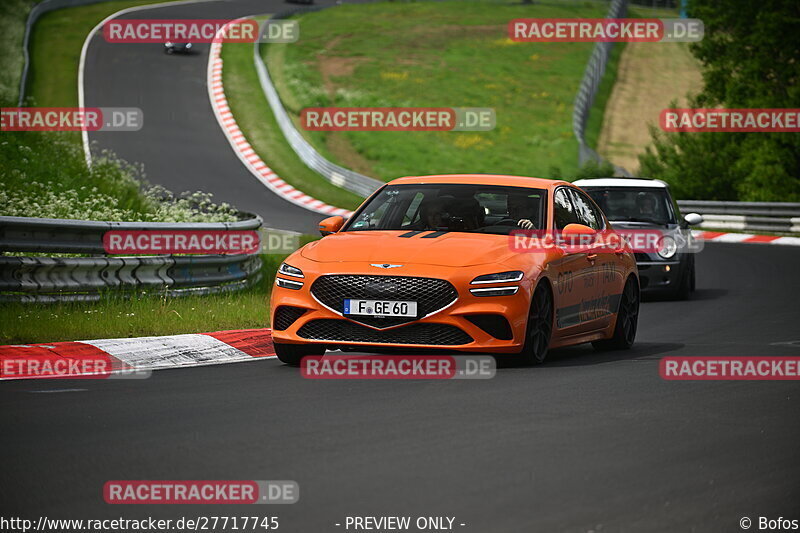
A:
(469, 323)
(659, 275)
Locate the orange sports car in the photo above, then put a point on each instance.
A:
(459, 262)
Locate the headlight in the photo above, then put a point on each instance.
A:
(289, 284)
(495, 291)
(289, 270)
(500, 277)
(668, 247)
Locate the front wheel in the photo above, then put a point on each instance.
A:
(292, 354)
(627, 320)
(539, 329)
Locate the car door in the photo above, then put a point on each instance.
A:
(571, 269)
(602, 279)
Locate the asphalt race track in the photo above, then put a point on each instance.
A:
(181, 144)
(588, 441)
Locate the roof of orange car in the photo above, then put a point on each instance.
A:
(482, 179)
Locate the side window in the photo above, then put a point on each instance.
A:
(564, 212)
(585, 210)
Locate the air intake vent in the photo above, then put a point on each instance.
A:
(285, 316)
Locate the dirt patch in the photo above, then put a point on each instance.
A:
(345, 155)
(649, 77)
(331, 67)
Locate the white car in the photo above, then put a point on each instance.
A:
(646, 204)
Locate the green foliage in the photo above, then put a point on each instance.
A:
(43, 174)
(751, 59)
(593, 169)
(12, 30)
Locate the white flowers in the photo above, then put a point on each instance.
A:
(48, 179)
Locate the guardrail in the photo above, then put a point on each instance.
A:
(587, 90)
(50, 279)
(773, 217)
(341, 177)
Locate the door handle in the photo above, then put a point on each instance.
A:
(591, 257)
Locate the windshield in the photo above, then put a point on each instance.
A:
(452, 207)
(631, 204)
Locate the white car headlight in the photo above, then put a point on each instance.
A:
(289, 270)
(668, 247)
(500, 277)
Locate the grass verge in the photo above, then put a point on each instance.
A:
(116, 317)
(56, 42)
(13, 14)
(257, 122)
(597, 112)
(431, 54)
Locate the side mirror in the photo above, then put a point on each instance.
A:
(693, 219)
(331, 225)
(577, 229)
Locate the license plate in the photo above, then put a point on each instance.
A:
(379, 308)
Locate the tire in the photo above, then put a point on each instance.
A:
(169, 51)
(538, 331)
(685, 287)
(692, 279)
(627, 320)
(292, 354)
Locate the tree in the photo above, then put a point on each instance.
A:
(751, 59)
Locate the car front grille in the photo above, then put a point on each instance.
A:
(416, 334)
(431, 294)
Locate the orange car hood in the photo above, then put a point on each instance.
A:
(450, 249)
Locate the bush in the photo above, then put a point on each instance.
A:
(45, 175)
(751, 59)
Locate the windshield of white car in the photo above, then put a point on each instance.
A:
(452, 207)
(634, 204)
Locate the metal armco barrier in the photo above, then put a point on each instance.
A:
(774, 217)
(48, 279)
(339, 176)
(588, 90)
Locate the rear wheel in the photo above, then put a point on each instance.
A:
(627, 320)
(539, 329)
(292, 354)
